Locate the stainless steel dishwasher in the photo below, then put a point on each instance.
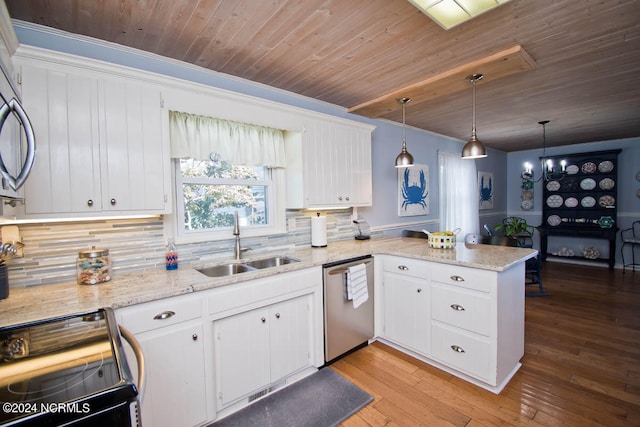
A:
(345, 328)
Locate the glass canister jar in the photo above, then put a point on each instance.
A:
(93, 266)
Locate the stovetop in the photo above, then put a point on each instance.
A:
(72, 365)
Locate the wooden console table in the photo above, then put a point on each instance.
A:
(603, 233)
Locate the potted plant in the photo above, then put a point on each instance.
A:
(517, 229)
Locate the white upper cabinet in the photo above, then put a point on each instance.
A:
(133, 160)
(64, 114)
(329, 165)
(100, 144)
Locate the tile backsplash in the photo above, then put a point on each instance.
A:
(51, 249)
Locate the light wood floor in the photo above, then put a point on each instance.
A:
(581, 365)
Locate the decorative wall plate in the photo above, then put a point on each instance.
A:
(606, 222)
(570, 184)
(606, 166)
(588, 167)
(553, 185)
(554, 201)
(554, 220)
(571, 202)
(605, 201)
(573, 169)
(607, 184)
(588, 184)
(588, 202)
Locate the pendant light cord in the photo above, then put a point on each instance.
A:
(473, 111)
(404, 128)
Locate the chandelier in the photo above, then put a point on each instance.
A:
(550, 170)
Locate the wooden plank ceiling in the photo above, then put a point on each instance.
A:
(351, 52)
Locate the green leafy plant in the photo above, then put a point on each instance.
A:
(516, 227)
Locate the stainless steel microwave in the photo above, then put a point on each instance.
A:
(17, 141)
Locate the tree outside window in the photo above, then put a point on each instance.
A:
(214, 190)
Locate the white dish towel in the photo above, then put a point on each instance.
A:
(357, 285)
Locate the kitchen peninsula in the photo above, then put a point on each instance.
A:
(39, 302)
(461, 310)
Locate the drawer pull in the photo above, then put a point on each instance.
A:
(164, 315)
(457, 349)
(457, 307)
(403, 267)
(456, 278)
(419, 290)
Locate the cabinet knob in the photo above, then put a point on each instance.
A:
(457, 307)
(419, 290)
(113, 202)
(457, 278)
(340, 198)
(347, 198)
(403, 267)
(263, 320)
(194, 337)
(277, 315)
(89, 202)
(164, 315)
(457, 349)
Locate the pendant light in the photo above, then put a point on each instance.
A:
(404, 159)
(474, 149)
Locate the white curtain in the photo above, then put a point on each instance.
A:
(200, 137)
(459, 199)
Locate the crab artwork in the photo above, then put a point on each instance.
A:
(415, 193)
(486, 193)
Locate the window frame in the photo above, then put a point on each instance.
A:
(275, 210)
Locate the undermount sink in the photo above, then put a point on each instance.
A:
(225, 270)
(271, 262)
(230, 269)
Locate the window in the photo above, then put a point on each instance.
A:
(210, 192)
(223, 167)
(459, 202)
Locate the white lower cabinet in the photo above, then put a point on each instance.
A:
(260, 347)
(407, 303)
(472, 319)
(265, 333)
(209, 353)
(170, 333)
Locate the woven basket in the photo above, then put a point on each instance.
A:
(442, 241)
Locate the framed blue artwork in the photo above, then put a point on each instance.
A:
(413, 190)
(485, 189)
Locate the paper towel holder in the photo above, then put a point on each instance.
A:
(360, 236)
(318, 232)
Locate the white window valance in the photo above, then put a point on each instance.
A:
(201, 137)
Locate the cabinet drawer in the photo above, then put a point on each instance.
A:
(406, 266)
(158, 314)
(463, 351)
(464, 309)
(465, 277)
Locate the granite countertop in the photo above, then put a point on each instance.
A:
(41, 302)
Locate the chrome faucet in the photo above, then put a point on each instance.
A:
(237, 250)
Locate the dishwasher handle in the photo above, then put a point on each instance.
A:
(142, 377)
(343, 270)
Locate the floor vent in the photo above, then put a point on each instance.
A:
(259, 394)
(264, 392)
